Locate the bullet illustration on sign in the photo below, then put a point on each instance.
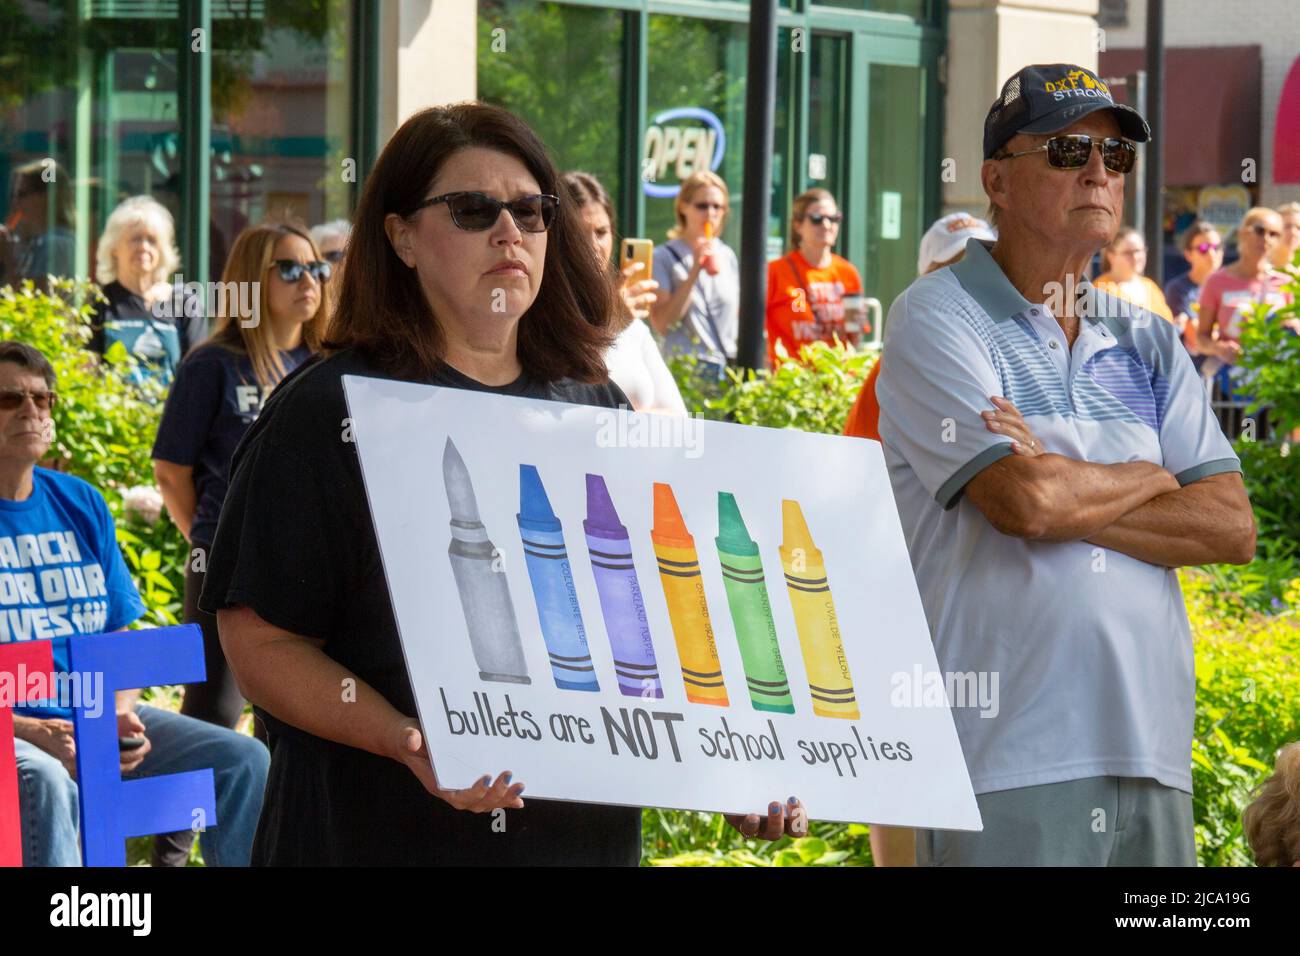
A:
(824, 656)
(621, 602)
(551, 575)
(688, 609)
(751, 613)
(480, 581)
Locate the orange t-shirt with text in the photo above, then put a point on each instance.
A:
(797, 314)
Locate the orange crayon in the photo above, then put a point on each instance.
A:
(688, 609)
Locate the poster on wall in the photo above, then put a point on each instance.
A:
(655, 610)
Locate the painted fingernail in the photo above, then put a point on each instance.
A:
(486, 782)
(774, 808)
(520, 790)
(794, 801)
(508, 778)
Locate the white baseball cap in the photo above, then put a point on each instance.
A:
(947, 237)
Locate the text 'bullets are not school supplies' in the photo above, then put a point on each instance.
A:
(621, 601)
(688, 609)
(481, 580)
(824, 656)
(551, 575)
(751, 613)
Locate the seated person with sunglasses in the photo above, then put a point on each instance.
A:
(813, 295)
(66, 576)
(218, 393)
(1054, 458)
(1231, 294)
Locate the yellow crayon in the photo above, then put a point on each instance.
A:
(688, 610)
(824, 656)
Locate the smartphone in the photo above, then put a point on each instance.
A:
(130, 743)
(637, 250)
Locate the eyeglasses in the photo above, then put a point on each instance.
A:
(11, 398)
(1073, 150)
(1261, 230)
(291, 270)
(1204, 247)
(478, 211)
(818, 219)
(707, 206)
(334, 256)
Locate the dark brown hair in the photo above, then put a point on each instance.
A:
(382, 310)
(585, 189)
(24, 356)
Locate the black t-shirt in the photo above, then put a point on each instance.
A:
(158, 341)
(212, 402)
(296, 544)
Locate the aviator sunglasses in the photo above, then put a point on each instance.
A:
(478, 211)
(1073, 150)
(291, 270)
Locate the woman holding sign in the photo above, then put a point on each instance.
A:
(441, 288)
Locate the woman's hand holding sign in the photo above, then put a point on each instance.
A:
(782, 820)
(486, 795)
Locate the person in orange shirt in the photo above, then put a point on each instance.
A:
(943, 244)
(813, 295)
(1123, 263)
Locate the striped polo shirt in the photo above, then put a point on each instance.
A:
(1092, 648)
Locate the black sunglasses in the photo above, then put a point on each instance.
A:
(1073, 150)
(478, 211)
(291, 270)
(819, 218)
(14, 398)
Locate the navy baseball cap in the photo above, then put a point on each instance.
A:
(1048, 97)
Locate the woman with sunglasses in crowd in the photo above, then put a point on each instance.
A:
(458, 218)
(218, 392)
(698, 309)
(813, 295)
(1203, 249)
(1231, 294)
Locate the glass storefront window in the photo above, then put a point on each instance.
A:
(560, 69)
(695, 114)
(88, 116)
(89, 109)
(895, 186)
(917, 9)
(281, 105)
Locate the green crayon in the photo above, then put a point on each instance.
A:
(751, 613)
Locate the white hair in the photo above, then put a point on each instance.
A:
(137, 210)
(334, 229)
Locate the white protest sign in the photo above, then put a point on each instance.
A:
(656, 611)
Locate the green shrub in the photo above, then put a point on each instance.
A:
(104, 429)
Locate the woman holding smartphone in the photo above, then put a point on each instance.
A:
(634, 361)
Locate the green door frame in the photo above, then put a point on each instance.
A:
(873, 38)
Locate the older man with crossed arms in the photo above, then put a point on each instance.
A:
(1054, 457)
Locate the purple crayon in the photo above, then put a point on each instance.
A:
(621, 602)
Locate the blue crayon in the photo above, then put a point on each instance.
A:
(621, 601)
(558, 609)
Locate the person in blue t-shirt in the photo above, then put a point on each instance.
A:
(218, 392)
(61, 574)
